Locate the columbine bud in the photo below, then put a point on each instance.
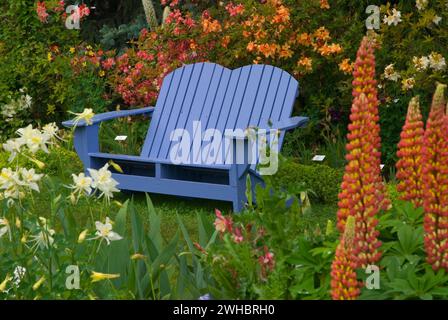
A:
(38, 283)
(82, 236)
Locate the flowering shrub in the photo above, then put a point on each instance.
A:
(232, 34)
(411, 58)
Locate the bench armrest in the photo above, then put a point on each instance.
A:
(290, 123)
(109, 116)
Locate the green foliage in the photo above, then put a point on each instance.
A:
(35, 56)
(118, 37)
(323, 181)
(135, 131)
(404, 271)
(56, 162)
(270, 252)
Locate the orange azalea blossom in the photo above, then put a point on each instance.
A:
(285, 52)
(435, 183)
(306, 62)
(363, 192)
(225, 41)
(322, 34)
(346, 66)
(260, 34)
(246, 34)
(193, 45)
(344, 285)
(305, 39)
(210, 25)
(324, 4)
(327, 50)
(282, 15)
(409, 165)
(251, 46)
(268, 50)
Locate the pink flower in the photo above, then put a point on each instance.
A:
(108, 63)
(221, 223)
(42, 11)
(84, 11)
(266, 261)
(237, 236)
(235, 10)
(60, 7)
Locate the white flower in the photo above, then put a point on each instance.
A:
(437, 61)
(51, 131)
(393, 18)
(34, 139)
(30, 178)
(104, 231)
(8, 178)
(19, 274)
(5, 228)
(437, 19)
(421, 63)
(13, 146)
(44, 238)
(87, 115)
(82, 184)
(390, 73)
(103, 181)
(408, 83)
(10, 110)
(421, 4)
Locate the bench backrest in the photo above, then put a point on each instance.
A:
(254, 95)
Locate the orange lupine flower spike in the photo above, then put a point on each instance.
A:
(362, 190)
(435, 183)
(409, 165)
(344, 285)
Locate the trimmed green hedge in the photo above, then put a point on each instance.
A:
(323, 180)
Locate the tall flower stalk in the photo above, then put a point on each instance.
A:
(150, 14)
(435, 182)
(409, 165)
(344, 285)
(363, 193)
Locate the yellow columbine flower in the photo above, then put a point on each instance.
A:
(87, 115)
(49, 56)
(18, 223)
(4, 283)
(102, 73)
(72, 50)
(98, 276)
(39, 283)
(82, 236)
(138, 256)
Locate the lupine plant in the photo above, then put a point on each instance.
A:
(409, 165)
(362, 190)
(435, 171)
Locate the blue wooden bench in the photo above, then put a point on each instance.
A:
(258, 96)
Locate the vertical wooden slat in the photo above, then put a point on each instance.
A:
(161, 100)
